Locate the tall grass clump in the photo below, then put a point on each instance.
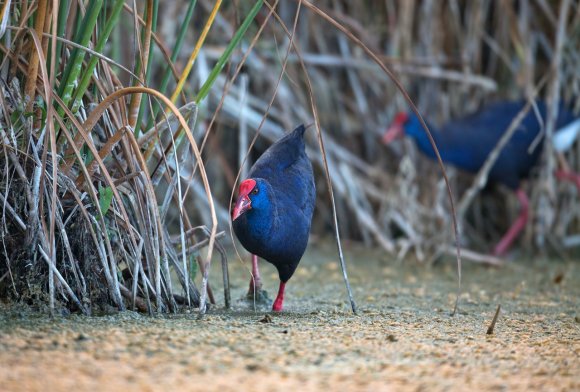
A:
(93, 207)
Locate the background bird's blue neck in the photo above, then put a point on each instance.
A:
(453, 150)
(461, 157)
(425, 146)
(416, 131)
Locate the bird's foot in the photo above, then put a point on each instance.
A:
(277, 307)
(502, 248)
(520, 223)
(258, 296)
(279, 302)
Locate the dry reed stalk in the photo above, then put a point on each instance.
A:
(34, 57)
(545, 210)
(480, 179)
(144, 60)
(130, 90)
(196, 50)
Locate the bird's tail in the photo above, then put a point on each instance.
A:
(308, 125)
(566, 136)
(300, 129)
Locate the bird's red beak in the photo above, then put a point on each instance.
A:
(243, 203)
(396, 130)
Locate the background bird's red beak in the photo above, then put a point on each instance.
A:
(395, 131)
(242, 205)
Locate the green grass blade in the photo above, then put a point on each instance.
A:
(178, 44)
(82, 37)
(105, 199)
(192, 266)
(228, 52)
(63, 11)
(149, 69)
(174, 54)
(86, 78)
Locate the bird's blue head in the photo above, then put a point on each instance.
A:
(253, 195)
(404, 124)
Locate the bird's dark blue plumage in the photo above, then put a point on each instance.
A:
(467, 142)
(277, 225)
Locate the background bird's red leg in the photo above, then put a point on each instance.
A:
(503, 246)
(279, 302)
(255, 280)
(568, 175)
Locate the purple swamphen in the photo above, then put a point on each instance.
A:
(273, 212)
(466, 143)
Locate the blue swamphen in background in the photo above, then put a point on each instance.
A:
(467, 142)
(273, 212)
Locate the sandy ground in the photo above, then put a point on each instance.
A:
(402, 339)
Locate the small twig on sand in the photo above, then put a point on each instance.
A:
(476, 257)
(493, 321)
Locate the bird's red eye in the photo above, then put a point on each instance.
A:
(255, 191)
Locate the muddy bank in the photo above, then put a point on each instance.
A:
(403, 338)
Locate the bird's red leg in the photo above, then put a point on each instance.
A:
(503, 246)
(255, 280)
(279, 302)
(568, 175)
